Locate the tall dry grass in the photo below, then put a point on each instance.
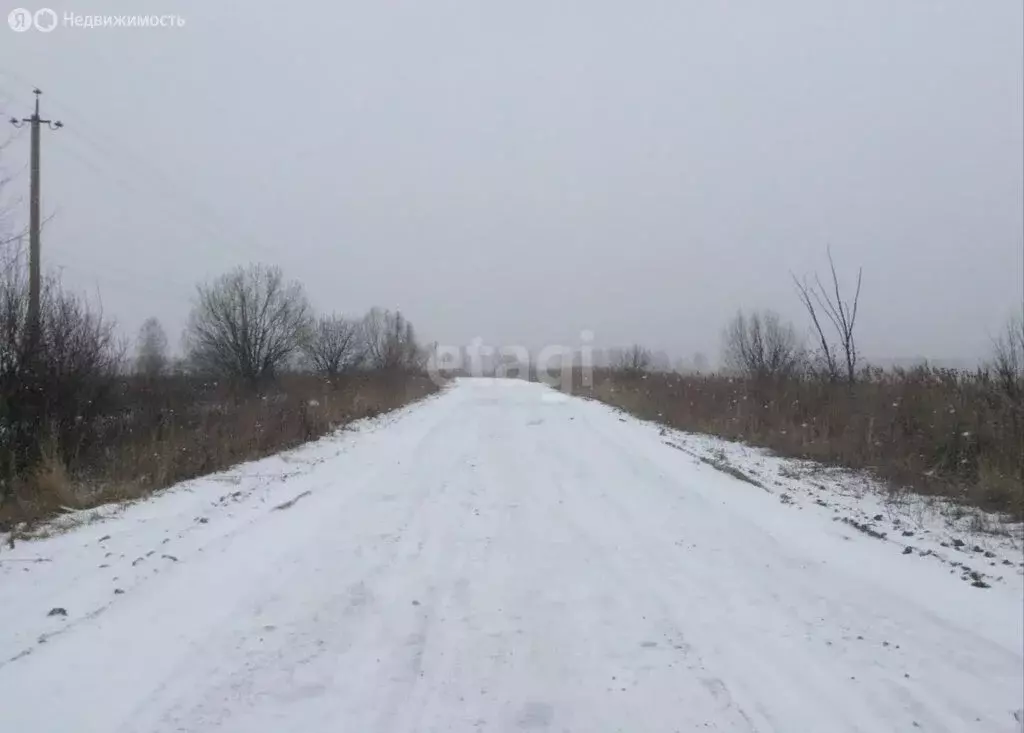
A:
(933, 431)
(157, 432)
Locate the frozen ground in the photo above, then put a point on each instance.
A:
(503, 558)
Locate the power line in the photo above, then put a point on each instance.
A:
(198, 210)
(97, 156)
(201, 214)
(127, 283)
(198, 216)
(153, 234)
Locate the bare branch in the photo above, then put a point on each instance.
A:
(840, 313)
(335, 346)
(390, 342)
(804, 292)
(1008, 361)
(762, 346)
(634, 360)
(248, 324)
(151, 349)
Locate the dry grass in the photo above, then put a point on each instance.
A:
(157, 433)
(936, 432)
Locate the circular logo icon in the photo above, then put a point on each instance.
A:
(20, 20)
(45, 20)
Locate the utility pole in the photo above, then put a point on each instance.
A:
(35, 223)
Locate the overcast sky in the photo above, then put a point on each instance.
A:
(522, 170)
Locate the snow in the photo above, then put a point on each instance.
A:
(503, 558)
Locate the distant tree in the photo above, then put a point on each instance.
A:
(335, 345)
(634, 360)
(151, 359)
(700, 362)
(817, 299)
(1008, 359)
(660, 362)
(248, 324)
(761, 346)
(390, 342)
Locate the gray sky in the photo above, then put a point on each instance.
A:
(522, 170)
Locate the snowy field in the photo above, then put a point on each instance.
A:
(503, 558)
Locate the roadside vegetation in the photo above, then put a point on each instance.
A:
(86, 418)
(935, 431)
(941, 432)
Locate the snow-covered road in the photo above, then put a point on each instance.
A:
(497, 558)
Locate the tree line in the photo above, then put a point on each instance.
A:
(956, 434)
(251, 324)
(760, 346)
(63, 392)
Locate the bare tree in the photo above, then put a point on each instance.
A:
(248, 324)
(761, 346)
(6, 206)
(52, 394)
(13, 317)
(660, 362)
(842, 314)
(390, 342)
(1008, 361)
(81, 356)
(335, 345)
(151, 358)
(634, 360)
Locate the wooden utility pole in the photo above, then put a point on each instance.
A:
(35, 223)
